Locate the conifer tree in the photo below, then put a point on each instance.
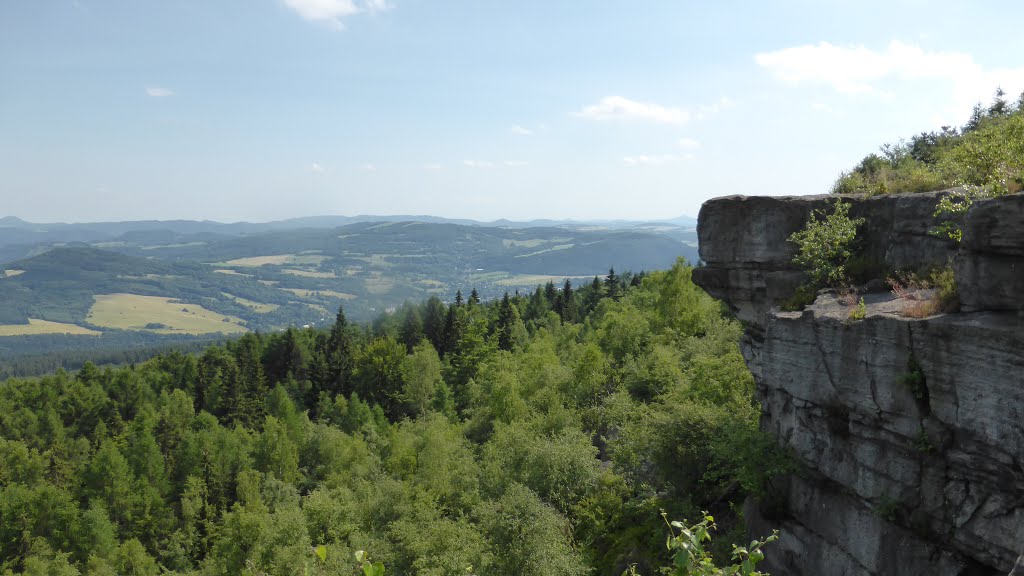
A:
(433, 322)
(550, 292)
(506, 318)
(339, 355)
(569, 310)
(611, 285)
(411, 331)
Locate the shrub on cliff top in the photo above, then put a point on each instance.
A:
(826, 244)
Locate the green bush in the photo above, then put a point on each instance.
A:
(826, 244)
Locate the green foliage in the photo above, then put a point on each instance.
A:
(986, 156)
(859, 311)
(923, 443)
(538, 443)
(803, 296)
(689, 545)
(914, 379)
(826, 244)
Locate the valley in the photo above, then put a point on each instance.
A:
(207, 280)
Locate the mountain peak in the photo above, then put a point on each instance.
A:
(12, 221)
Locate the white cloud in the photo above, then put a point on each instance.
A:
(862, 70)
(516, 163)
(157, 92)
(478, 163)
(432, 167)
(520, 131)
(723, 103)
(370, 167)
(619, 108)
(317, 168)
(333, 12)
(689, 143)
(373, 6)
(646, 160)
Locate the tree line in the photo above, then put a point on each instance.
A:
(536, 434)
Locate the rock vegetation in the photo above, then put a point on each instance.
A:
(908, 432)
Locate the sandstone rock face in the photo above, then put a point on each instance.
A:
(909, 433)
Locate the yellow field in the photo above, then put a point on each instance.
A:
(261, 260)
(134, 312)
(308, 273)
(231, 272)
(534, 279)
(256, 307)
(182, 245)
(44, 327)
(551, 249)
(279, 259)
(11, 273)
(314, 293)
(321, 309)
(379, 284)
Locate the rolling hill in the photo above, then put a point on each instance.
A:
(156, 282)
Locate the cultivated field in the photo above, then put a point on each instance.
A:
(278, 259)
(535, 279)
(44, 327)
(309, 273)
(159, 315)
(320, 293)
(257, 307)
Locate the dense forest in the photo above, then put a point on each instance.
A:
(537, 434)
(985, 156)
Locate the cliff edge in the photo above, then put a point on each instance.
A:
(908, 432)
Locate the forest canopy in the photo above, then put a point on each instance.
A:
(538, 434)
(985, 155)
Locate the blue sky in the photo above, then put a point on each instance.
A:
(267, 109)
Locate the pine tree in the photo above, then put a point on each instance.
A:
(433, 322)
(611, 285)
(505, 323)
(411, 331)
(550, 292)
(474, 298)
(569, 311)
(453, 327)
(339, 356)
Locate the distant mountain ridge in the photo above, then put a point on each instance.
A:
(157, 283)
(21, 239)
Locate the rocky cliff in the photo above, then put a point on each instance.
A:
(908, 433)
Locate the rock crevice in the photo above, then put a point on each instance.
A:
(908, 432)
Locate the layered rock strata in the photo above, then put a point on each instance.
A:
(908, 433)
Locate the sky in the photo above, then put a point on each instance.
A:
(261, 110)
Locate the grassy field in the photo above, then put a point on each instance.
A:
(378, 283)
(278, 259)
(230, 272)
(314, 293)
(162, 315)
(256, 307)
(255, 261)
(309, 273)
(551, 249)
(44, 327)
(535, 279)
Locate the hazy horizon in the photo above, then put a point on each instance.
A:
(667, 219)
(276, 109)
